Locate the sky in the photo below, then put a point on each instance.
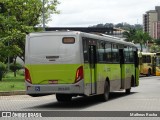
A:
(84, 13)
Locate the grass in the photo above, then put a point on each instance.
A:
(11, 83)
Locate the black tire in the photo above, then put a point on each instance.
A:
(128, 91)
(133, 82)
(105, 96)
(149, 72)
(33, 95)
(63, 97)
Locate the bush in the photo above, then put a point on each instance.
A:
(14, 67)
(3, 70)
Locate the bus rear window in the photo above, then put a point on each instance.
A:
(68, 40)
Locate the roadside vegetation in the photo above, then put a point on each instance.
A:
(11, 83)
(17, 19)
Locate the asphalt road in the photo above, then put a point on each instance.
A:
(146, 97)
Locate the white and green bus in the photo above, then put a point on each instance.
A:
(71, 63)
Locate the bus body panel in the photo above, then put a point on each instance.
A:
(49, 59)
(48, 73)
(108, 71)
(128, 70)
(157, 64)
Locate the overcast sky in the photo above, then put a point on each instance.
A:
(83, 13)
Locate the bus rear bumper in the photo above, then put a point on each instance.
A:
(77, 88)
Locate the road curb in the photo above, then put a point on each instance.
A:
(9, 93)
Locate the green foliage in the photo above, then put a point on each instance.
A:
(2, 9)
(21, 17)
(137, 36)
(130, 35)
(155, 48)
(2, 66)
(157, 41)
(10, 75)
(12, 83)
(122, 25)
(142, 38)
(15, 67)
(3, 69)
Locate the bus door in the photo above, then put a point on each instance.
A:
(136, 63)
(121, 54)
(92, 64)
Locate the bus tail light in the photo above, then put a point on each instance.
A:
(79, 74)
(27, 76)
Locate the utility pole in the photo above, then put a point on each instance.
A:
(43, 13)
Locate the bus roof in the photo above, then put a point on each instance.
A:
(83, 34)
(108, 38)
(147, 53)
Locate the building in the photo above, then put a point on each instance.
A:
(151, 21)
(156, 30)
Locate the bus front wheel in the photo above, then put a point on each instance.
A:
(149, 72)
(63, 97)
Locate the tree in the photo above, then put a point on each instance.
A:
(138, 27)
(2, 10)
(99, 25)
(15, 67)
(119, 25)
(157, 41)
(142, 38)
(21, 17)
(156, 46)
(2, 70)
(107, 25)
(129, 35)
(137, 36)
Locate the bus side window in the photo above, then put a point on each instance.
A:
(131, 55)
(108, 52)
(85, 49)
(126, 54)
(115, 53)
(101, 51)
(144, 59)
(148, 59)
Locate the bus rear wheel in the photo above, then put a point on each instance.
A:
(128, 91)
(105, 95)
(63, 97)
